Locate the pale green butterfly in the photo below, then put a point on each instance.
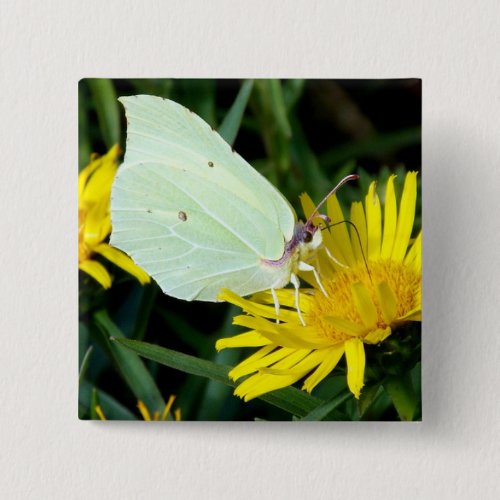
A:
(196, 216)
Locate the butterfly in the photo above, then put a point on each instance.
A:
(197, 217)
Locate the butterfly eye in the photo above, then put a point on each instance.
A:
(308, 236)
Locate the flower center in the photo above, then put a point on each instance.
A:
(403, 281)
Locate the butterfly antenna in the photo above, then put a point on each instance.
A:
(328, 226)
(347, 178)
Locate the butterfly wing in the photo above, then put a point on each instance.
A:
(190, 210)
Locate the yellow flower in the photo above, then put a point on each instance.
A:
(165, 415)
(94, 221)
(156, 415)
(371, 290)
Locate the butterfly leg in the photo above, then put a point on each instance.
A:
(276, 305)
(307, 267)
(295, 282)
(334, 259)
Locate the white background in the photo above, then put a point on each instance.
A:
(46, 47)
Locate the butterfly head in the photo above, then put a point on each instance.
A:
(308, 238)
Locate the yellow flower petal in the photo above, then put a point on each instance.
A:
(252, 363)
(98, 183)
(327, 264)
(260, 383)
(413, 315)
(373, 222)
(331, 358)
(378, 335)
(364, 304)
(143, 411)
(414, 255)
(124, 261)
(359, 220)
(340, 245)
(84, 175)
(308, 363)
(308, 205)
(97, 271)
(286, 298)
(345, 326)
(247, 339)
(252, 307)
(167, 408)
(406, 217)
(100, 413)
(97, 223)
(390, 219)
(355, 357)
(284, 334)
(387, 301)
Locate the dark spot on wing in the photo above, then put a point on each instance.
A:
(210, 163)
(149, 211)
(182, 216)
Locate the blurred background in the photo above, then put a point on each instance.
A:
(303, 135)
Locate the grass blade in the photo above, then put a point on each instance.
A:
(85, 364)
(402, 394)
(84, 146)
(327, 408)
(278, 107)
(232, 121)
(292, 91)
(108, 112)
(198, 95)
(289, 399)
(130, 366)
(112, 409)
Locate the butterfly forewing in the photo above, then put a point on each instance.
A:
(192, 212)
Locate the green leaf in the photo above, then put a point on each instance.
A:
(278, 107)
(83, 341)
(402, 394)
(107, 108)
(368, 396)
(274, 128)
(232, 121)
(289, 399)
(94, 402)
(84, 147)
(292, 91)
(130, 366)
(199, 96)
(327, 408)
(112, 409)
(84, 364)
